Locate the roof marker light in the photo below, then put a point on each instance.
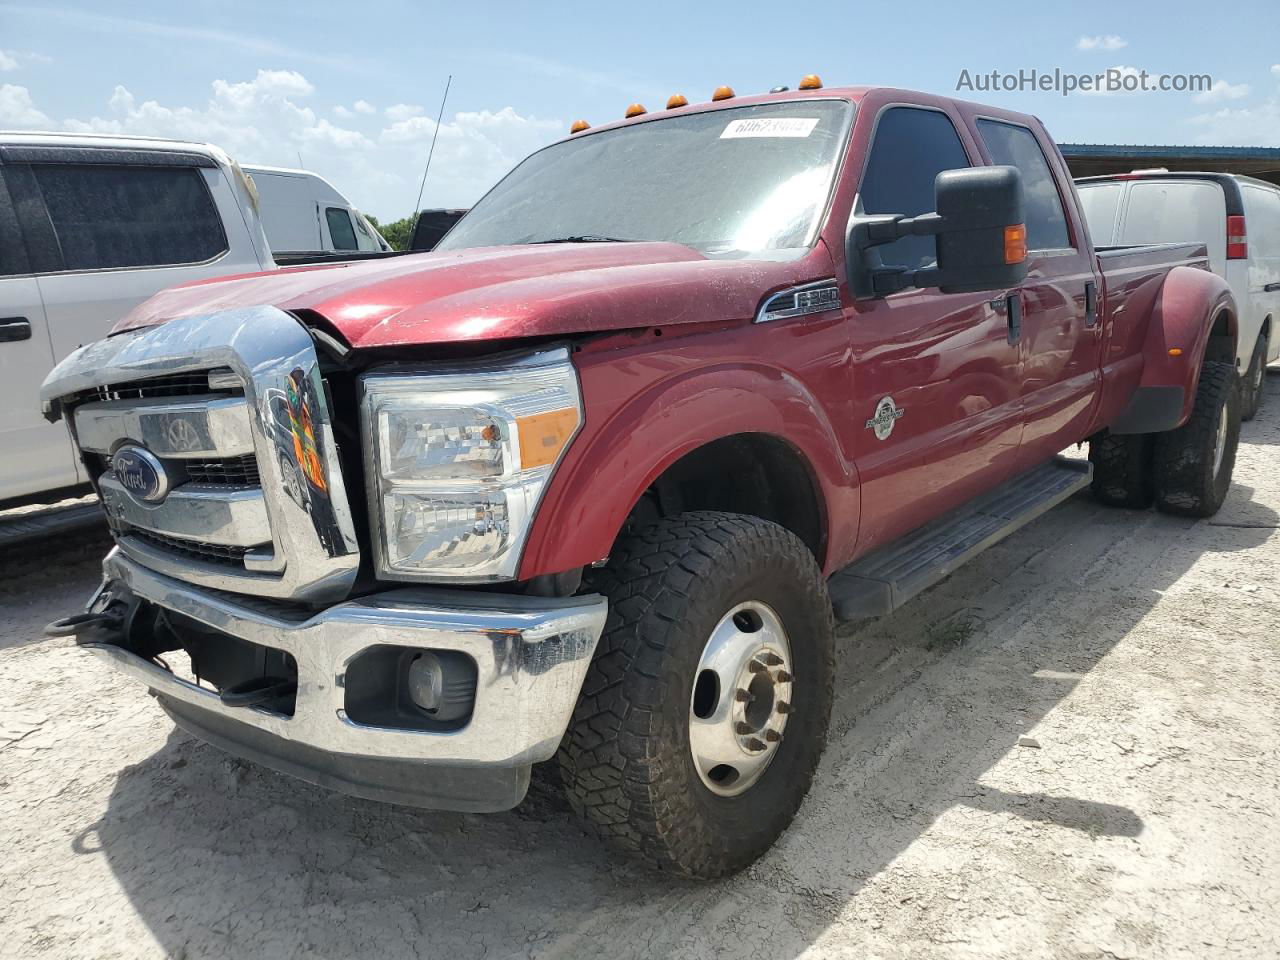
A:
(579, 126)
(722, 93)
(677, 100)
(811, 81)
(635, 110)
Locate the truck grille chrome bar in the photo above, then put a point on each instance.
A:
(252, 497)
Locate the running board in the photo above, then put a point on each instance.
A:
(884, 580)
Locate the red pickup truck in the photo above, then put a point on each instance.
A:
(595, 479)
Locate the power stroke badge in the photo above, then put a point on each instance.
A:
(887, 414)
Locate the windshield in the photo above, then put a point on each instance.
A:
(729, 183)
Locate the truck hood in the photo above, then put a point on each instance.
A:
(494, 293)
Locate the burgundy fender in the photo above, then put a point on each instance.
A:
(1183, 315)
(632, 435)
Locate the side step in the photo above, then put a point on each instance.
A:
(884, 580)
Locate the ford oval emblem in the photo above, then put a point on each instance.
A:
(140, 473)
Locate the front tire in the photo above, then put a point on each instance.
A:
(680, 592)
(1193, 464)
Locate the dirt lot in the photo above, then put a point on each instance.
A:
(1139, 651)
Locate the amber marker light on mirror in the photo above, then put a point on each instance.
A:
(1175, 351)
(677, 100)
(1015, 243)
(722, 93)
(811, 81)
(635, 110)
(579, 126)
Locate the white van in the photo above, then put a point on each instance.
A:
(1237, 217)
(303, 213)
(90, 227)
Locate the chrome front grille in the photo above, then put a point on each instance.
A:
(229, 412)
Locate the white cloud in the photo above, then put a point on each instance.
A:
(1108, 42)
(402, 111)
(1221, 90)
(1117, 76)
(1275, 69)
(8, 61)
(377, 162)
(13, 59)
(18, 112)
(1256, 126)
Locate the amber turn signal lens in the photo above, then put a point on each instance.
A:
(1015, 243)
(544, 435)
(677, 100)
(722, 93)
(1175, 351)
(811, 81)
(579, 126)
(635, 110)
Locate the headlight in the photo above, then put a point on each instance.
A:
(458, 460)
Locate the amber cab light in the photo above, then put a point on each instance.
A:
(635, 110)
(1015, 243)
(677, 100)
(722, 93)
(811, 81)
(1237, 239)
(579, 126)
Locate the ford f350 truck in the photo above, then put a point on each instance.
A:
(594, 480)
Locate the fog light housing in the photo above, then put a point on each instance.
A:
(442, 684)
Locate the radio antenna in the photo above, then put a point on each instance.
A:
(417, 207)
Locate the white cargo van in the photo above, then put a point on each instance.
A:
(1237, 217)
(303, 213)
(90, 227)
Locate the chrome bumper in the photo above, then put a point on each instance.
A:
(531, 653)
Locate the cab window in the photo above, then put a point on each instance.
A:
(341, 232)
(911, 147)
(1015, 146)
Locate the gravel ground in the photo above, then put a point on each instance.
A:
(1138, 651)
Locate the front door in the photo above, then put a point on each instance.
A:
(935, 376)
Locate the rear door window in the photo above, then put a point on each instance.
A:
(1178, 211)
(1100, 204)
(341, 232)
(1016, 146)
(911, 147)
(106, 216)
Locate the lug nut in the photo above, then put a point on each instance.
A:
(742, 728)
(743, 696)
(756, 744)
(784, 677)
(755, 666)
(773, 736)
(782, 706)
(772, 659)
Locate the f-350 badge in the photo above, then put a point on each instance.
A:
(887, 414)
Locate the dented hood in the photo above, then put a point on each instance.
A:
(493, 293)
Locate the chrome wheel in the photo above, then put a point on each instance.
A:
(1220, 444)
(741, 698)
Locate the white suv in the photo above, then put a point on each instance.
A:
(1237, 217)
(89, 227)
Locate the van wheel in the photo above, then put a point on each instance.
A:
(1193, 464)
(705, 711)
(1251, 390)
(1122, 471)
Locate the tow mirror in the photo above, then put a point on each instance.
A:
(981, 236)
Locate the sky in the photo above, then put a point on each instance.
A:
(352, 90)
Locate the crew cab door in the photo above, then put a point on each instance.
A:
(37, 455)
(935, 379)
(1060, 336)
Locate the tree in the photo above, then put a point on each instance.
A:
(398, 233)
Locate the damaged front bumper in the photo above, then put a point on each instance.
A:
(530, 653)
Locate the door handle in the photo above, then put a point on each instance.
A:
(13, 329)
(1013, 312)
(1271, 288)
(1090, 304)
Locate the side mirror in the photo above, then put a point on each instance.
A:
(981, 235)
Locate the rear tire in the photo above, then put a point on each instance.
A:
(1251, 390)
(1193, 464)
(1122, 470)
(627, 761)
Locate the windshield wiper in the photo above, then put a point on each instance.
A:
(586, 238)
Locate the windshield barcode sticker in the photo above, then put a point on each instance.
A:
(770, 127)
